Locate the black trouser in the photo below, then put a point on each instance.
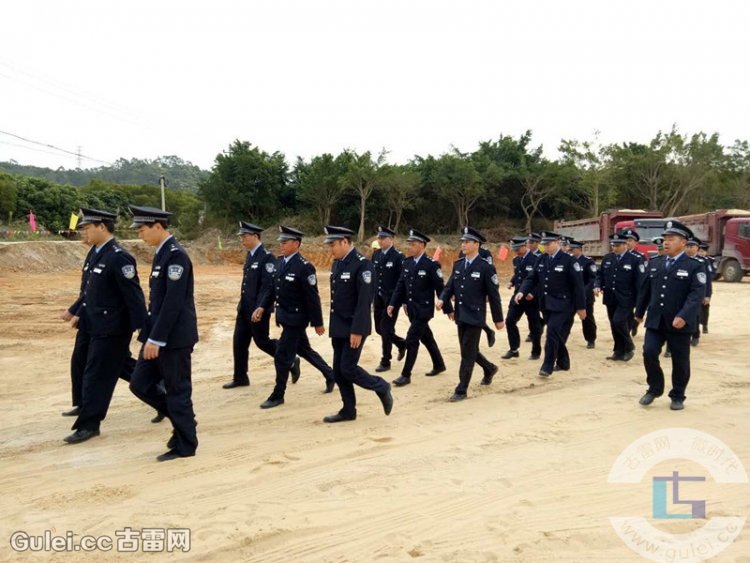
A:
(106, 360)
(704, 311)
(245, 332)
(385, 326)
(174, 398)
(589, 323)
(679, 346)
(555, 349)
(419, 331)
(294, 342)
(619, 324)
(348, 373)
(515, 312)
(468, 338)
(78, 366)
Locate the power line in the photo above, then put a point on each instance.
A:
(27, 148)
(76, 154)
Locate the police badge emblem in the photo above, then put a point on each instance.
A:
(128, 271)
(174, 272)
(367, 277)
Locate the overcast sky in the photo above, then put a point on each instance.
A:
(149, 78)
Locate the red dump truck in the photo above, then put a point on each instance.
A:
(594, 232)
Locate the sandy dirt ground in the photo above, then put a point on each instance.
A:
(517, 473)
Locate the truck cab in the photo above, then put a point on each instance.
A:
(734, 261)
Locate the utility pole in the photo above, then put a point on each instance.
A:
(79, 157)
(163, 184)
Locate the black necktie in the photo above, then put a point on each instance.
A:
(670, 261)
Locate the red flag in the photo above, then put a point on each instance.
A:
(502, 254)
(32, 221)
(438, 252)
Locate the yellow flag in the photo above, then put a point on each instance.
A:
(220, 245)
(73, 221)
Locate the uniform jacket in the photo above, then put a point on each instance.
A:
(559, 281)
(621, 279)
(295, 292)
(419, 283)
(257, 280)
(73, 309)
(387, 267)
(352, 290)
(472, 287)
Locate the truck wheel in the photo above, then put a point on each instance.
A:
(732, 271)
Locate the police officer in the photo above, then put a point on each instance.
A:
(558, 276)
(523, 263)
(350, 323)
(711, 272)
(387, 262)
(170, 333)
(472, 284)
(692, 250)
(257, 280)
(620, 278)
(533, 241)
(485, 255)
(632, 238)
(295, 291)
(589, 271)
(112, 307)
(659, 242)
(672, 292)
(421, 280)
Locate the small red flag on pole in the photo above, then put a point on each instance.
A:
(438, 252)
(502, 254)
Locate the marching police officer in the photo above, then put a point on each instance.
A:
(162, 375)
(421, 280)
(672, 292)
(620, 278)
(387, 262)
(472, 284)
(558, 276)
(589, 271)
(692, 250)
(632, 239)
(112, 307)
(297, 306)
(523, 263)
(533, 241)
(257, 280)
(711, 271)
(485, 255)
(350, 323)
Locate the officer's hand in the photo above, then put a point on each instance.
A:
(66, 316)
(639, 320)
(518, 297)
(257, 314)
(320, 330)
(706, 300)
(74, 321)
(389, 310)
(529, 297)
(500, 325)
(451, 316)
(581, 313)
(439, 305)
(355, 340)
(150, 351)
(678, 322)
(510, 286)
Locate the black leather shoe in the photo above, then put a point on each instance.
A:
(647, 399)
(271, 403)
(676, 405)
(158, 418)
(535, 356)
(387, 400)
(456, 397)
(694, 342)
(75, 411)
(627, 356)
(294, 370)
(705, 330)
(233, 384)
(382, 367)
(330, 385)
(80, 435)
(487, 379)
(338, 417)
(544, 373)
(401, 381)
(172, 454)
(591, 345)
(561, 368)
(491, 338)
(401, 353)
(528, 338)
(509, 354)
(667, 354)
(435, 371)
(614, 358)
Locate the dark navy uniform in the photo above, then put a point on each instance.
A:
(703, 309)
(472, 285)
(706, 307)
(560, 284)
(522, 266)
(387, 267)
(589, 271)
(421, 280)
(620, 278)
(172, 324)
(81, 345)
(111, 309)
(257, 281)
(297, 305)
(672, 288)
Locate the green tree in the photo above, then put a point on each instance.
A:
(400, 186)
(361, 177)
(320, 182)
(8, 195)
(455, 179)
